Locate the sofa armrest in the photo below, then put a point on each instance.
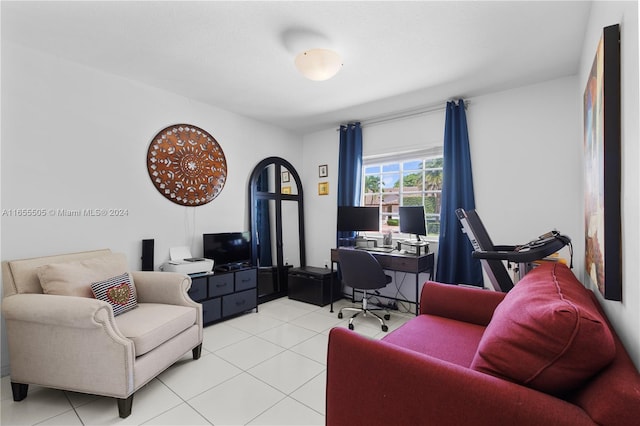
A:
(472, 305)
(67, 342)
(386, 384)
(60, 311)
(162, 287)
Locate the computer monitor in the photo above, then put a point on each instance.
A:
(353, 218)
(412, 220)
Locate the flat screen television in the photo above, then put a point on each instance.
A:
(412, 220)
(227, 249)
(353, 218)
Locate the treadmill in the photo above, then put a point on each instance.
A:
(492, 256)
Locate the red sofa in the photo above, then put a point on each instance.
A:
(542, 354)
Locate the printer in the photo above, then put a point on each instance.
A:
(181, 261)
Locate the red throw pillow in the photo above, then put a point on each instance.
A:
(547, 333)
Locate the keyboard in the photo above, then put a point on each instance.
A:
(377, 249)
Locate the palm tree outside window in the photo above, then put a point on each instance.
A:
(407, 182)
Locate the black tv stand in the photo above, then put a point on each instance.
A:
(226, 293)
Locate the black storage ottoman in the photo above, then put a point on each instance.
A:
(313, 285)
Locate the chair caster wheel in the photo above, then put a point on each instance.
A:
(350, 326)
(340, 315)
(385, 328)
(387, 317)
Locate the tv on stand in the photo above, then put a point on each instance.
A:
(229, 250)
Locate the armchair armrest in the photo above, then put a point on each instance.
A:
(62, 311)
(67, 342)
(388, 384)
(169, 288)
(472, 305)
(162, 287)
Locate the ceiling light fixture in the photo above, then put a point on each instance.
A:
(318, 64)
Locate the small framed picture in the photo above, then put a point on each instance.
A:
(323, 171)
(285, 176)
(286, 190)
(323, 188)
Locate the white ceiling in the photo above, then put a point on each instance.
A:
(238, 55)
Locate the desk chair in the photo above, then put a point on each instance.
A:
(361, 271)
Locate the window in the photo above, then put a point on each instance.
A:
(393, 182)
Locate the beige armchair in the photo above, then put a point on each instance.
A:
(76, 343)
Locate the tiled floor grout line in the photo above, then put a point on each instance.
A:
(185, 401)
(285, 349)
(304, 384)
(73, 408)
(289, 349)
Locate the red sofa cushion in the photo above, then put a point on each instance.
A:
(547, 333)
(442, 338)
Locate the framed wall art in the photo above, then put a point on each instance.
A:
(323, 188)
(602, 129)
(323, 171)
(186, 165)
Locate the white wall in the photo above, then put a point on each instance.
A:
(75, 138)
(527, 162)
(508, 131)
(624, 315)
(320, 210)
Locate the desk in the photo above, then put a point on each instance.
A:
(400, 262)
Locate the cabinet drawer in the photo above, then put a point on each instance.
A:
(211, 310)
(404, 264)
(198, 290)
(239, 302)
(220, 285)
(246, 279)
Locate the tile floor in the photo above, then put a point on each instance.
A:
(265, 368)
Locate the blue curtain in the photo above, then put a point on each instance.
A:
(455, 262)
(349, 169)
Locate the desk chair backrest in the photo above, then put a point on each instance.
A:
(361, 270)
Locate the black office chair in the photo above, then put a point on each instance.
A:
(361, 271)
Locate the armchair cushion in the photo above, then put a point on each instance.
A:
(547, 334)
(75, 278)
(118, 291)
(151, 324)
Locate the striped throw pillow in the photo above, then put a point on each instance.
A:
(118, 291)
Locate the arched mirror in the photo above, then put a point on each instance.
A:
(277, 225)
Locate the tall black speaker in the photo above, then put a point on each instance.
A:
(147, 255)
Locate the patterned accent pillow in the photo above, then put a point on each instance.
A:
(118, 291)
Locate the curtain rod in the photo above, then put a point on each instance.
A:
(403, 114)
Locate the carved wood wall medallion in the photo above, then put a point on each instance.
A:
(186, 165)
